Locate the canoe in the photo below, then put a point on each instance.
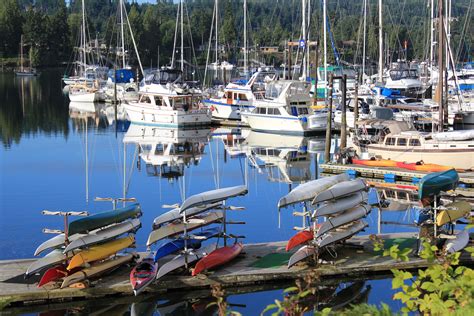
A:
(427, 167)
(180, 260)
(302, 253)
(55, 242)
(178, 244)
(340, 205)
(341, 234)
(53, 258)
(434, 183)
(217, 258)
(213, 196)
(102, 251)
(105, 234)
(89, 223)
(459, 243)
(175, 214)
(375, 163)
(143, 274)
(341, 189)
(174, 229)
(309, 190)
(96, 269)
(299, 238)
(53, 274)
(452, 212)
(348, 216)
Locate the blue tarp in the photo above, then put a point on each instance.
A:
(122, 75)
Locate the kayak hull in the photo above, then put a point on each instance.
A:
(341, 189)
(342, 204)
(348, 216)
(375, 163)
(302, 253)
(453, 211)
(437, 182)
(142, 275)
(53, 274)
(299, 238)
(218, 257)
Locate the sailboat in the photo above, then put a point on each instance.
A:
(25, 71)
(218, 65)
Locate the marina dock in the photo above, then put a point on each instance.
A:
(263, 263)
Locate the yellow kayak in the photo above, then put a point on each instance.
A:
(453, 212)
(102, 251)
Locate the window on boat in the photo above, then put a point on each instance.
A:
(228, 95)
(145, 99)
(390, 194)
(276, 111)
(243, 97)
(270, 111)
(390, 141)
(158, 100)
(401, 141)
(262, 110)
(415, 142)
(302, 111)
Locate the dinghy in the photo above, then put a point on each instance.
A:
(458, 243)
(143, 274)
(348, 216)
(105, 234)
(89, 223)
(340, 189)
(302, 253)
(341, 234)
(175, 214)
(452, 212)
(180, 260)
(437, 182)
(96, 269)
(340, 205)
(218, 257)
(99, 252)
(309, 190)
(53, 274)
(174, 229)
(213, 196)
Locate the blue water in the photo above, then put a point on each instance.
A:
(47, 153)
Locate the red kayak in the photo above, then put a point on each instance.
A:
(218, 257)
(143, 275)
(428, 167)
(300, 238)
(53, 274)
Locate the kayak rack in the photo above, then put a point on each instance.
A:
(114, 200)
(66, 222)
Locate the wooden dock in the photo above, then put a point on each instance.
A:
(263, 263)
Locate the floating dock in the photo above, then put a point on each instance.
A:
(263, 263)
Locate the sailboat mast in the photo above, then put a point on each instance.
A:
(325, 46)
(122, 35)
(182, 39)
(364, 38)
(380, 43)
(441, 65)
(217, 18)
(84, 38)
(21, 54)
(431, 39)
(245, 40)
(303, 26)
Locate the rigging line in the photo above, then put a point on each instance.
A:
(191, 39)
(175, 36)
(209, 47)
(359, 33)
(463, 31)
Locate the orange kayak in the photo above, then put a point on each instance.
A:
(299, 239)
(428, 167)
(375, 163)
(218, 257)
(53, 274)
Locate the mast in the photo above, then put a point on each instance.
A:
(303, 26)
(441, 65)
(182, 39)
(84, 38)
(325, 46)
(245, 40)
(431, 40)
(380, 43)
(21, 54)
(363, 39)
(217, 37)
(121, 30)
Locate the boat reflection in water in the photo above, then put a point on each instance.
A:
(88, 112)
(167, 151)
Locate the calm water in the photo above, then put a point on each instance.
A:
(58, 156)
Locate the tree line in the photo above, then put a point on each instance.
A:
(51, 28)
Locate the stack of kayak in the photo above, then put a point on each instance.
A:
(444, 217)
(182, 232)
(416, 166)
(89, 248)
(341, 201)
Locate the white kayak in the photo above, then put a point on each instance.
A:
(96, 270)
(453, 135)
(341, 205)
(105, 234)
(213, 196)
(341, 234)
(348, 216)
(302, 253)
(54, 257)
(180, 260)
(174, 229)
(309, 190)
(55, 242)
(341, 189)
(458, 243)
(175, 214)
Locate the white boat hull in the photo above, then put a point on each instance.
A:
(84, 97)
(284, 124)
(223, 111)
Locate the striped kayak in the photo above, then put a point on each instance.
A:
(342, 204)
(89, 223)
(341, 234)
(434, 183)
(178, 244)
(102, 251)
(218, 257)
(341, 189)
(375, 163)
(427, 167)
(174, 229)
(348, 216)
(302, 253)
(452, 212)
(53, 274)
(96, 269)
(309, 190)
(175, 214)
(458, 243)
(105, 234)
(299, 238)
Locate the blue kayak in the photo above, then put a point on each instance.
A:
(437, 182)
(178, 244)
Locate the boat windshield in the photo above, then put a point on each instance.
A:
(273, 90)
(403, 74)
(298, 88)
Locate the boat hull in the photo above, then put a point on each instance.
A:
(454, 211)
(53, 274)
(84, 97)
(341, 234)
(458, 243)
(435, 183)
(224, 111)
(299, 238)
(341, 189)
(218, 257)
(142, 275)
(302, 253)
(348, 216)
(340, 205)
(282, 124)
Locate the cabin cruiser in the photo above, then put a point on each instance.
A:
(285, 109)
(403, 78)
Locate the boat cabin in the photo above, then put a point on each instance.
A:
(170, 102)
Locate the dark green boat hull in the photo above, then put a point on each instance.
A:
(436, 182)
(95, 221)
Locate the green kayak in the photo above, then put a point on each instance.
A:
(436, 182)
(95, 221)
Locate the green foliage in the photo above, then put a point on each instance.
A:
(358, 310)
(10, 26)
